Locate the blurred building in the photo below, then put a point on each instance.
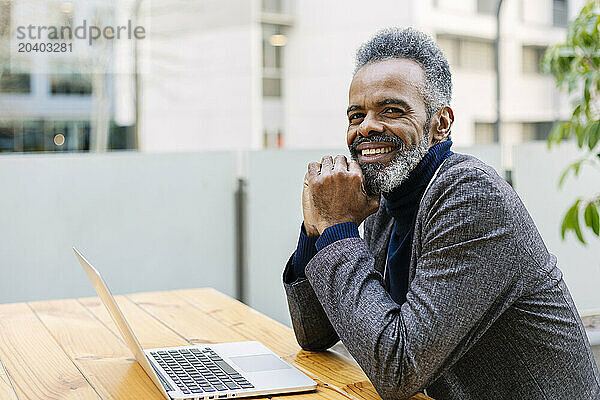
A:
(530, 103)
(52, 103)
(275, 73)
(252, 74)
(322, 42)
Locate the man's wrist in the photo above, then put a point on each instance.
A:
(337, 232)
(328, 224)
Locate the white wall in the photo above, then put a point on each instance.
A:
(147, 222)
(536, 174)
(274, 207)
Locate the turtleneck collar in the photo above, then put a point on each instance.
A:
(402, 202)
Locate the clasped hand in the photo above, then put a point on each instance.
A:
(334, 192)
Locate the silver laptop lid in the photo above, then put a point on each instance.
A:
(118, 318)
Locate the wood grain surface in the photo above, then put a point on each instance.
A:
(71, 349)
(36, 365)
(98, 353)
(6, 390)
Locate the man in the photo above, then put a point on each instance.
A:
(452, 289)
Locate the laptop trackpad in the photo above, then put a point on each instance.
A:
(258, 363)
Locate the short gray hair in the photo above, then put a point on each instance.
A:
(411, 44)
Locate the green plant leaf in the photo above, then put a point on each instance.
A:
(576, 226)
(575, 65)
(576, 167)
(581, 135)
(557, 132)
(573, 128)
(571, 222)
(586, 90)
(565, 225)
(587, 216)
(593, 134)
(577, 111)
(563, 176)
(592, 219)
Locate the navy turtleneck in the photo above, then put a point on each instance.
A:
(402, 204)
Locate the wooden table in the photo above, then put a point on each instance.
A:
(70, 349)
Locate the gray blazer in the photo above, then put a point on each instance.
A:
(487, 315)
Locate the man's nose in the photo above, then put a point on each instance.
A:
(370, 126)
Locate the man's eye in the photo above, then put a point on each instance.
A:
(392, 110)
(356, 116)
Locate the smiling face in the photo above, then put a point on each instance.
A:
(388, 131)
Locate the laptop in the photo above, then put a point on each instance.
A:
(215, 371)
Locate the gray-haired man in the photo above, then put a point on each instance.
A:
(452, 289)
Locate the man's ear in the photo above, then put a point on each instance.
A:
(441, 124)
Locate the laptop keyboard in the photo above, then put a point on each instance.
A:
(199, 371)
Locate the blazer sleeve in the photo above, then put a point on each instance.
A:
(311, 326)
(466, 276)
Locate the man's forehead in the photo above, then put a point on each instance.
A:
(386, 78)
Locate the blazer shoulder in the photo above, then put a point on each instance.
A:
(465, 168)
(463, 181)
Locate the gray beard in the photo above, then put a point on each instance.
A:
(382, 178)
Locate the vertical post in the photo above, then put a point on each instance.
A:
(498, 125)
(240, 238)
(137, 81)
(497, 66)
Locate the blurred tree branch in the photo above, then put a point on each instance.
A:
(575, 64)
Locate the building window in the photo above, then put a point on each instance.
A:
(273, 6)
(274, 39)
(121, 137)
(451, 47)
(14, 82)
(532, 59)
(484, 132)
(468, 53)
(271, 87)
(7, 138)
(31, 137)
(14, 78)
(560, 13)
(74, 83)
(477, 55)
(487, 6)
(40, 135)
(272, 140)
(58, 135)
(273, 43)
(536, 130)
